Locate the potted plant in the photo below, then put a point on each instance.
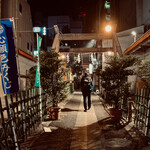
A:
(144, 73)
(114, 83)
(52, 81)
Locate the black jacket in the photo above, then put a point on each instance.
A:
(86, 84)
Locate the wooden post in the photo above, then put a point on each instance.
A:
(23, 115)
(11, 123)
(129, 111)
(56, 42)
(3, 124)
(117, 47)
(147, 115)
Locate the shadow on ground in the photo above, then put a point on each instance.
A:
(111, 137)
(68, 110)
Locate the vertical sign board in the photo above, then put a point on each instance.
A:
(8, 68)
(37, 76)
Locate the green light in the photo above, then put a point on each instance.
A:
(107, 17)
(107, 5)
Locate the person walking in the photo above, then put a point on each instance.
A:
(86, 85)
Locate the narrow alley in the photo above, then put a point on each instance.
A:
(79, 130)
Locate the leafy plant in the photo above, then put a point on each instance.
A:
(114, 79)
(77, 68)
(52, 74)
(144, 70)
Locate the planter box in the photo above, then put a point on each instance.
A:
(54, 113)
(115, 114)
(141, 84)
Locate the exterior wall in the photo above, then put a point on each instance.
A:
(20, 11)
(127, 14)
(24, 41)
(142, 12)
(146, 12)
(25, 65)
(141, 56)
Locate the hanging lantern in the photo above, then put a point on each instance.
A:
(79, 59)
(90, 68)
(67, 57)
(92, 58)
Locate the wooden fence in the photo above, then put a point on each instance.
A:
(142, 110)
(137, 109)
(20, 115)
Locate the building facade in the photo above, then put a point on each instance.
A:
(19, 12)
(137, 44)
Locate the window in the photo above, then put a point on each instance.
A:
(28, 46)
(20, 8)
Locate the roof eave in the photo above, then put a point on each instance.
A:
(135, 46)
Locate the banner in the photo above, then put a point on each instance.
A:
(39, 41)
(37, 76)
(8, 65)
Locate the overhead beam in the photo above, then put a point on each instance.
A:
(85, 50)
(82, 36)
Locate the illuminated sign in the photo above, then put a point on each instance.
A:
(37, 29)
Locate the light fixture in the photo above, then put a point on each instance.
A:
(108, 28)
(134, 35)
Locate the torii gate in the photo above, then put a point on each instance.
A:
(85, 36)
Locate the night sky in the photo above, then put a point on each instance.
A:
(73, 8)
(62, 7)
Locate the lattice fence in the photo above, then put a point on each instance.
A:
(142, 110)
(20, 115)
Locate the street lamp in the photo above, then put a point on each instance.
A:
(134, 35)
(108, 28)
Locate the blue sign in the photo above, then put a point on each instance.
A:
(8, 65)
(37, 29)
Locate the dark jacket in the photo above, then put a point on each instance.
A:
(86, 84)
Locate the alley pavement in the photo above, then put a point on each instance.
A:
(79, 130)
